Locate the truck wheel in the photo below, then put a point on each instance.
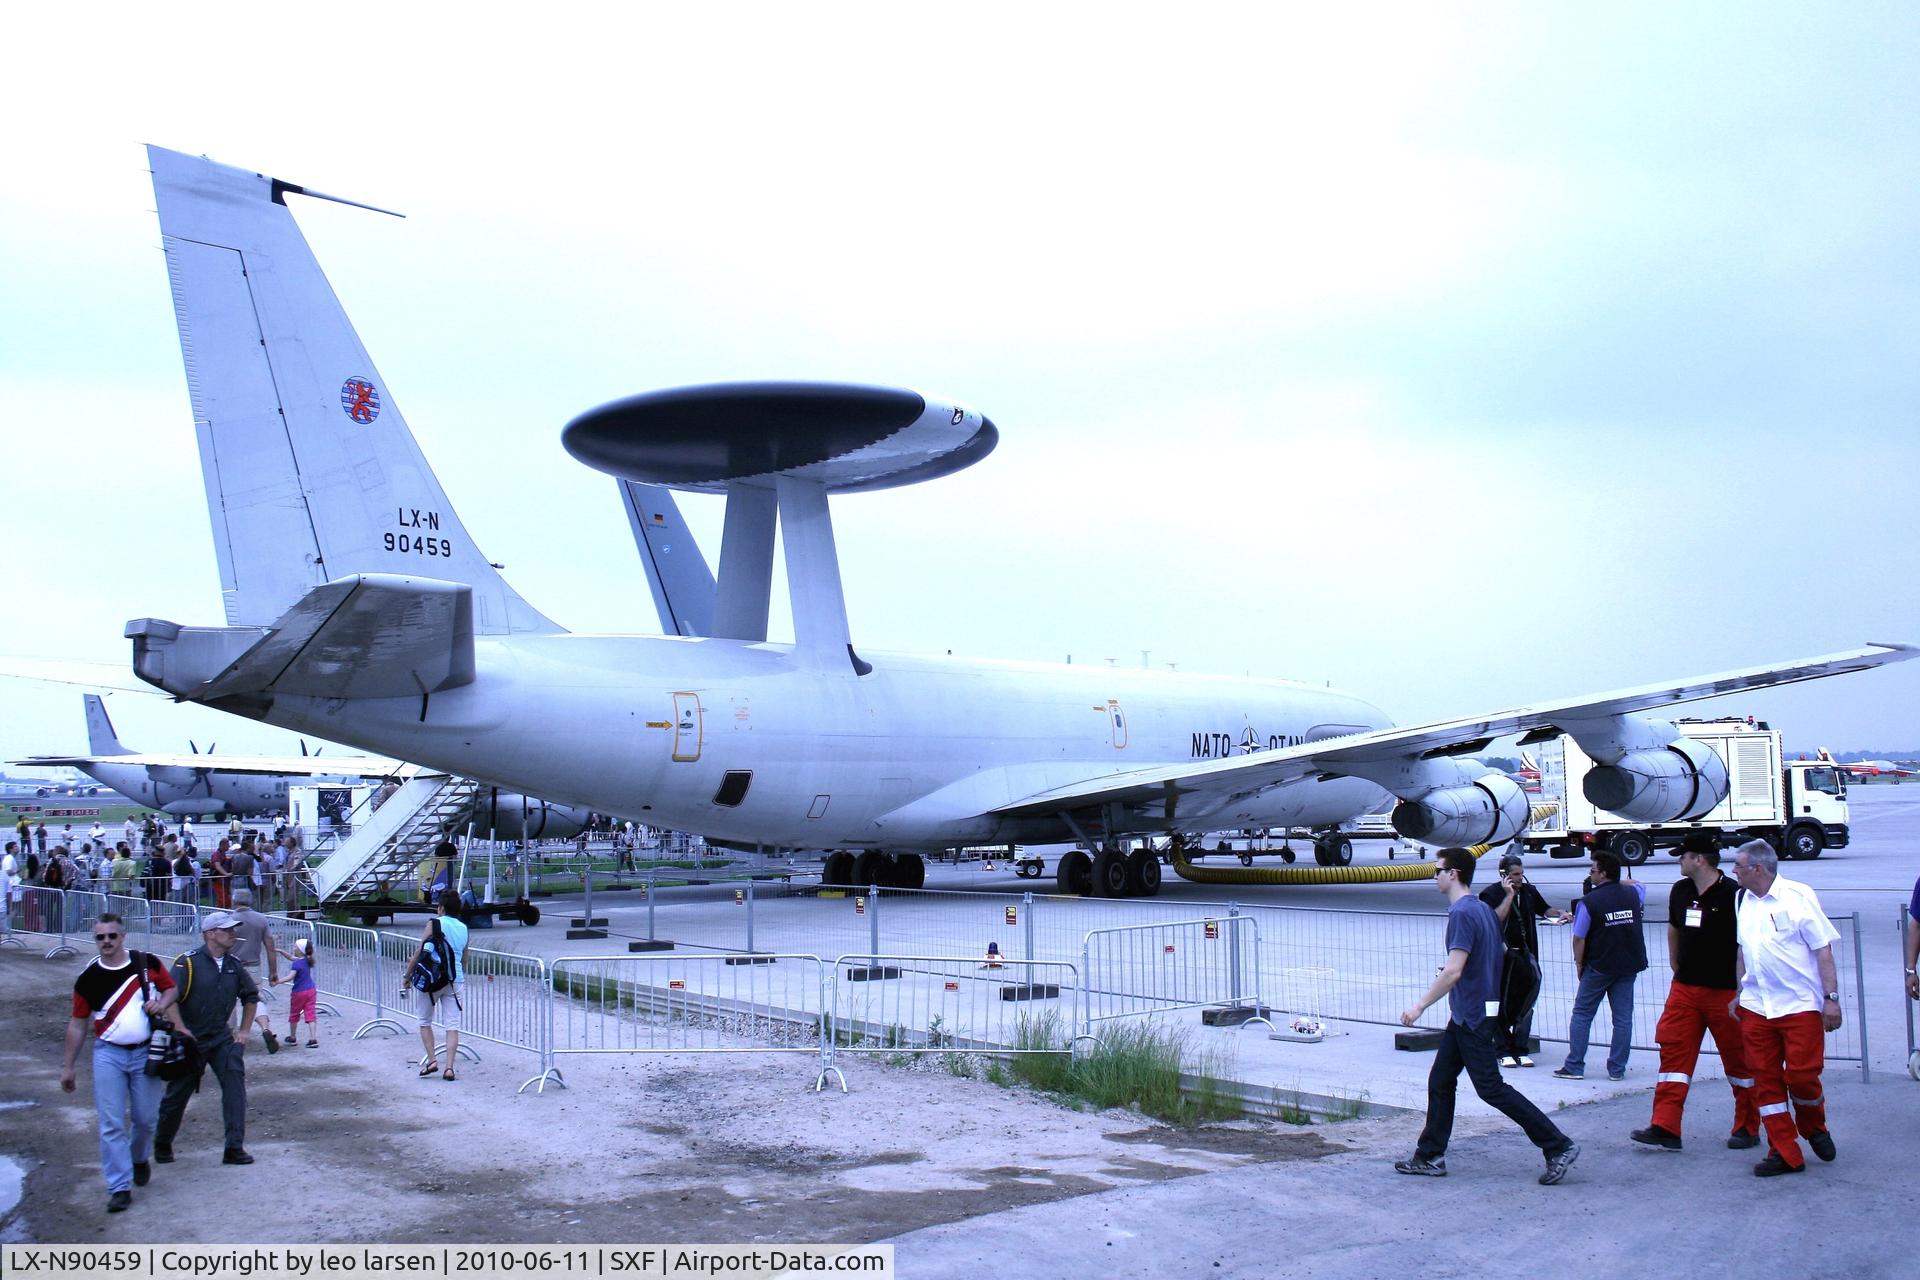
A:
(1631, 848)
(1246, 859)
(1074, 873)
(1805, 842)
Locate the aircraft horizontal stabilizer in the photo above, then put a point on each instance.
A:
(364, 636)
(1197, 789)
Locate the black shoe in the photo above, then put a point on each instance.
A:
(142, 1173)
(1557, 1166)
(1434, 1168)
(118, 1201)
(1773, 1166)
(1741, 1140)
(1822, 1144)
(1654, 1136)
(273, 1041)
(163, 1153)
(234, 1155)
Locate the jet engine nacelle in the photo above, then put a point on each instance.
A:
(1490, 810)
(194, 808)
(1679, 782)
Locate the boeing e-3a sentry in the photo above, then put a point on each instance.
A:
(358, 609)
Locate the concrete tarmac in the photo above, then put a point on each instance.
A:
(1623, 1210)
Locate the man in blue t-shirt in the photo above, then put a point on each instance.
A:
(1470, 980)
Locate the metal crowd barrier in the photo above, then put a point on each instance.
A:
(673, 1003)
(348, 966)
(42, 912)
(505, 997)
(1183, 964)
(891, 1003)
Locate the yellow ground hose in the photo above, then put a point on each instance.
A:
(1377, 874)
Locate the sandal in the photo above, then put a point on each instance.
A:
(429, 1069)
(313, 1044)
(447, 1074)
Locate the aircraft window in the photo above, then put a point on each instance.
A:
(1823, 780)
(733, 787)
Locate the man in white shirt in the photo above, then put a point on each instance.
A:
(1789, 999)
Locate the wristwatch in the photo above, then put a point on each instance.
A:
(1834, 996)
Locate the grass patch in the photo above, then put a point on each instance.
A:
(1135, 1065)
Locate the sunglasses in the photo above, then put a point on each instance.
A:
(105, 937)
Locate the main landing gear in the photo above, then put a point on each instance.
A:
(1112, 873)
(871, 867)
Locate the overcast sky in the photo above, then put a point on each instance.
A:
(1458, 356)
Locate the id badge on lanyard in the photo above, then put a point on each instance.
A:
(1694, 916)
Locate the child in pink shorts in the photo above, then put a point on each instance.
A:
(305, 994)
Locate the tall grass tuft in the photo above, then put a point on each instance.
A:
(1134, 1065)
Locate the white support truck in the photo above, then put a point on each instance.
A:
(1799, 806)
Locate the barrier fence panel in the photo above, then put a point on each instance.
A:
(43, 913)
(348, 966)
(1182, 964)
(504, 996)
(887, 1003)
(673, 1003)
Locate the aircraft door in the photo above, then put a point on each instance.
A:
(1117, 720)
(688, 728)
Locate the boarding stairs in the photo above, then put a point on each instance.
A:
(393, 839)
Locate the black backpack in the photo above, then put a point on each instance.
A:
(433, 968)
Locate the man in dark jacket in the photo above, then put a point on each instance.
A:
(1517, 905)
(211, 982)
(1609, 951)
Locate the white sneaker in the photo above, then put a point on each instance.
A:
(1509, 1062)
(1525, 1061)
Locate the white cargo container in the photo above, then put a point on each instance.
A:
(1799, 806)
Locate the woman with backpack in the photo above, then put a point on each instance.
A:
(437, 974)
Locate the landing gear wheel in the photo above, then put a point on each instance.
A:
(1143, 874)
(1320, 854)
(1631, 848)
(1110, 874)
(1805, 842)
(871, 868)
(1074, 873)
(909, 872)
(1339, 851)
(838, 869)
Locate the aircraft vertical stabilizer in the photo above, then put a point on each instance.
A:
(311, 472)
(101, 739)
(677, 572)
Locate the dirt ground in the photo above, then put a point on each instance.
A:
(353, 1146)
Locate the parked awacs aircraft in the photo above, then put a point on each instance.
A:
(359, 610)
(256, 786)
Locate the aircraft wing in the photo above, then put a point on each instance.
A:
(1203, 787)
(294, 766)
(370, 635)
